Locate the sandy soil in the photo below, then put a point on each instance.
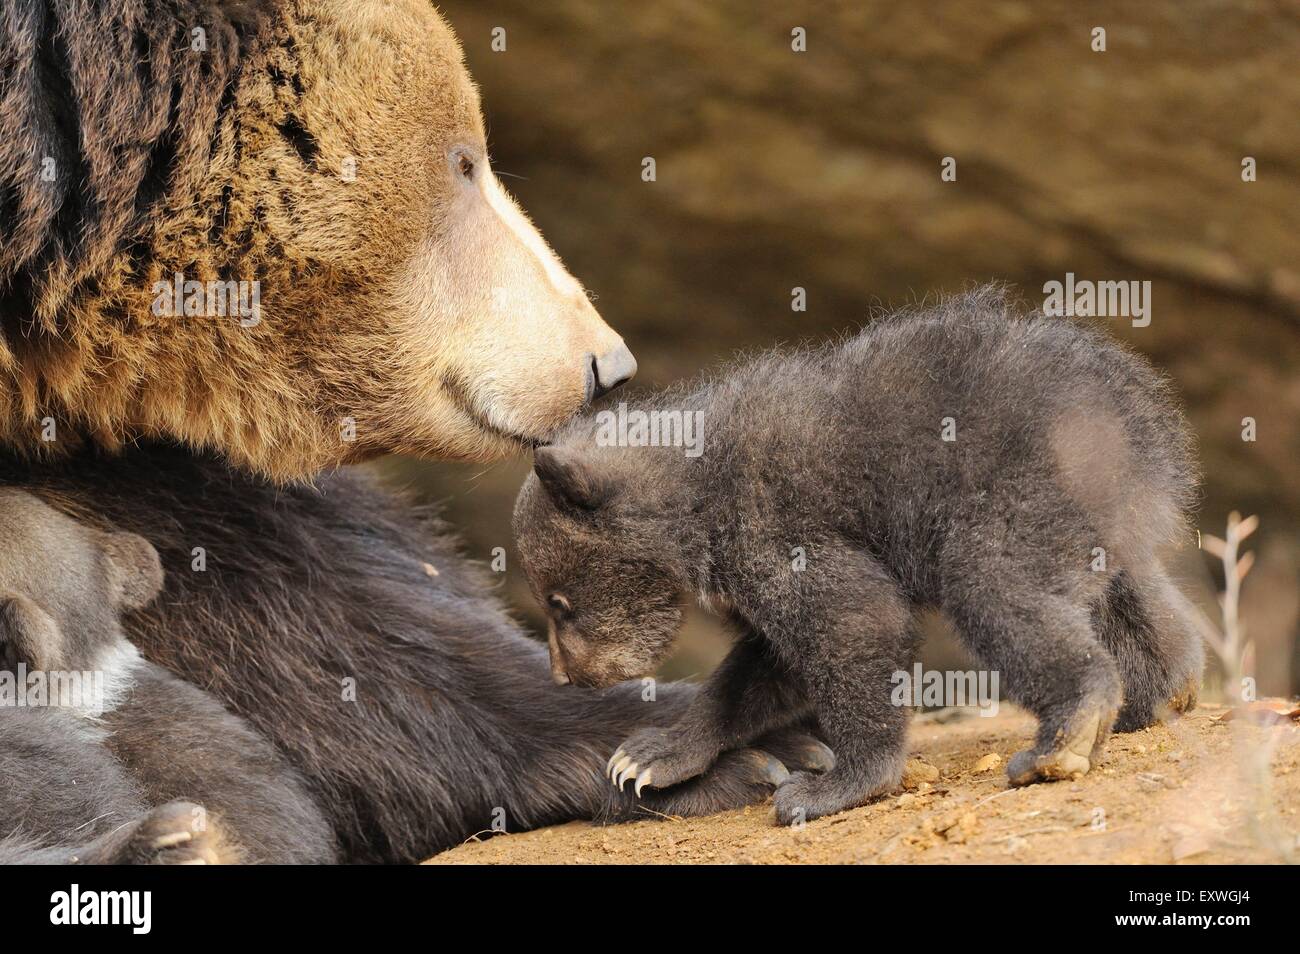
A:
(1200, 790)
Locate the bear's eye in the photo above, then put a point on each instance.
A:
(466, 166)
(556, 601)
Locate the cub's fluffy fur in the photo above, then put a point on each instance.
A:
(1062, 442)
(165, 775)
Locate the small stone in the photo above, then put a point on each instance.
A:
(918, 772)
(988, 763)
(906, 800)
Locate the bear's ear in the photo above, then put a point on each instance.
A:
(571, 478)
(28, 635)
(137, 568)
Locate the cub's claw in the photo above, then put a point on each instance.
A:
(621, 764)
(609, 766)
(643, 780)
(659, 758)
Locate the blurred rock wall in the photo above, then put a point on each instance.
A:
(821, 169)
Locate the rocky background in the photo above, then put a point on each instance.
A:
(821, 169)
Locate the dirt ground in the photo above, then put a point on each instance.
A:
(1199, 790)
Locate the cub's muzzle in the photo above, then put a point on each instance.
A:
(559, 672)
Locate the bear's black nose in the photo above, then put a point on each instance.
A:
(610, 370)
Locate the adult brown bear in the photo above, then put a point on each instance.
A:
(242, 244)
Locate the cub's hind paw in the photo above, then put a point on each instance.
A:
(1184, 700)
(657, 758)
(1139, 713)
(1074, 752)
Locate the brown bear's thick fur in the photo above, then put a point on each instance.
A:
(409, 307)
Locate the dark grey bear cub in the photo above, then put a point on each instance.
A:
(104, 757)
(1021, 474)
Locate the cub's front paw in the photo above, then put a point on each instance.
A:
(658, 758)
(738, 778)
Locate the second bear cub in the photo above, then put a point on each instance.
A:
(121, 762)
(1020, 474)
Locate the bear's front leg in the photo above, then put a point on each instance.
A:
(846, 632)
(750, 693)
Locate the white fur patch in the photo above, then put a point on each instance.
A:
(86, 697)
(529, 237)
(118, 664)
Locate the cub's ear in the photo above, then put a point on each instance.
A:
(571, 478)
(28, 635)
(137, 567)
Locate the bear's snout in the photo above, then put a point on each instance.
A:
(610, 370)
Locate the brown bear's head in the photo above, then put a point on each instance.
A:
(271, 229)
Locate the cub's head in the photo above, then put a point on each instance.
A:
(274, 231)
(63, 586)
(600, 564)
